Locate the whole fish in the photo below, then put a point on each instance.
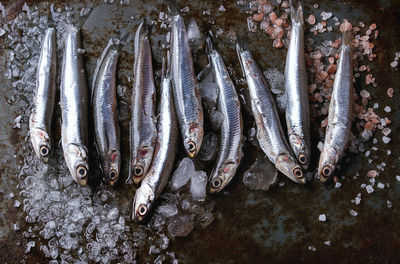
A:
(340, 111)
(41, 117)
(143, 131)
(269, 130)
(104, 100)
(164, 154)
(297, 106)
(74, 104)
(185, 88)
(230, 152)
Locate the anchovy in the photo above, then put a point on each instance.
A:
(230, 152)
(41, 117)
(74, 104)
(164, 154)
(143, 131)
(185, 88)
(340, 111)
(104, 100)
(297, 106)
(269, 130)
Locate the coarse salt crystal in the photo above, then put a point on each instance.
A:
(281, 184)
(387, 109)
(328, 243)
(376, 105)
(369, 188)
(398, 178)
(353, 213)
(389, 204)
(380, 185)
(394, 64)
(337, 185)
(221, 8)
(388, 151)
(312, 248)
(322, 218)
(363, 185)
(386, 139)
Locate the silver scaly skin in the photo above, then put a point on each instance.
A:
(297, 106)
(164, 154)
(74, 104)
(230, 152)
(104, 101)
(42, 114)
(269, 130)
(143, 130)
(185, 88)
(340, 111)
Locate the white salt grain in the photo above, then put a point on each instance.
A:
(380, 185)
(369, 188)
(385, 139)
(389, 204)
(387, 109)
(353, 213)
(322, 218)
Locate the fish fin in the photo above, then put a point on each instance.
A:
(296, 12)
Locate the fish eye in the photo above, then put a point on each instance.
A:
(44, 150)
(142, 210)
(302, 159)
(217, 183)
(191, 146)
(326, 171)
(81, 171)
(138, 171)
(113, 175)
(298, 172)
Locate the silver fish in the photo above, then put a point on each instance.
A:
(340, 111)
(164, 154)
(41, 117)
(230, 152)
(104, 100)
(74, 104)
(143, 131)
(297, 106)
(185, 88)
(269, 130)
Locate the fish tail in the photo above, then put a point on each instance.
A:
(296, 12)
(347, 38)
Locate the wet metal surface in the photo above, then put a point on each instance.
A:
(280, 225)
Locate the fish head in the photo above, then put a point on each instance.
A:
(288, 166)
(76, 157)
(300, 149)
(193, 139)
(111, 167)
(222, 176)
(327, 162)
(141, 164)
(41, 143)
(144, 198)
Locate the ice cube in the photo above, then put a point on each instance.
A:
(261, 175)
(113, 214)
(182, 174)
(208, 147)
(180, 225)
(216, 118)
(198, 184)
(209, 93)
(167, 210)
(29, 245)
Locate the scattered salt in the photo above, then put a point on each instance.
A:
(328, 243)
(353, 213)
(398, 178)
(338, 185)
(322, 218)
(387, 109)
(386, 139)
(380, 185)
(312, 248)
(394, 64)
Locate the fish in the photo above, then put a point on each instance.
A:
(185, 87)
(74, 107)
(41, 117)
(164, 154)
(296, 92)
(230, 152)
(340, 111)
(104, 105)
(143, 131)
(269, 130)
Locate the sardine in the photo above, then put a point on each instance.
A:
(104, 101)
(143, 131)
(164, 154)
(42, 114)
(340, 111)
(297, 106)
(230, 152)
(74, 107)
(185, 88)
(269, 130)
